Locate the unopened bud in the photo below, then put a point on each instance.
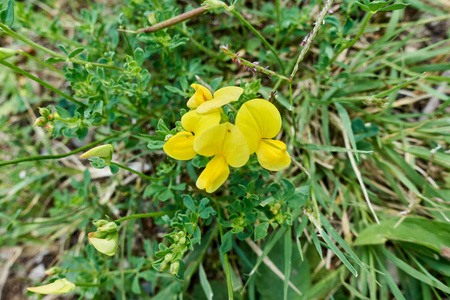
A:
(41, 121)
(53, 271)
(100, 222)
(108, 227)
(182, 241)
(152, 19)
(44, 111)
(6, 53)
(60, 286)
(103, 242)
(168, 257)
(164, 266)
(174, 268)
(104, 151)
(50, 127)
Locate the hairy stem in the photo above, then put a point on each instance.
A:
(258, 35)
(310, 37)
(175, 20)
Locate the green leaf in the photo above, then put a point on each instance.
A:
(139, 56)
(429, 233)
(200, 161)
(261, 230)
(288, 187)
(135, 286)
(315, 147)
(189, 203)
(63, 113)
(97, 163)
(287, 261)
(338, 252)
(54, 60)
(75, 52)
(227, 242)
(395, 6)
(205, 283)
(114, 169)
(7, 16)
(155, 145)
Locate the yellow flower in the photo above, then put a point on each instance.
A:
(228, 146)
(60, 286)
(181, 145)
(201, 95)
(260, 121)
(204, 102)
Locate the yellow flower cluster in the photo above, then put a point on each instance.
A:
(257, 122)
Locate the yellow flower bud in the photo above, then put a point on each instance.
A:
(104, 242)
(174, 268)
(53, 271)
(104, 151)
(60, 286)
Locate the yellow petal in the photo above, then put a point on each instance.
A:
(196, 123)
(214, 175)
(60, 286)
(107, 245)
(257, 119)
(201, 95)
(221, 97)
(180, 146)
(272, 155)
(225, 140)
(232, 92)
(103, 151)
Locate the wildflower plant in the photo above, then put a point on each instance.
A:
(225, 150)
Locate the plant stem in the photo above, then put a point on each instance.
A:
(175, 20)
(41, 62)
(310, 37)
(33, 158)
(244, 62)
(51, 52)
(225, 259)
(352, 42)
(136, 172)
(258, 35)
(43, 83)
(147, 215)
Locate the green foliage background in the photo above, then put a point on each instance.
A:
(365, 119)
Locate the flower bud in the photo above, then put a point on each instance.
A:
(152, 19)
(41, 121)
(164, 266)
(182, 241)
(104, 242)
(45, 112)
(168, 257)
(108, 227)
(53, 271)
(174, 268)
(6, 53)
(104, 151)
(60, 286)
(51, 117)
(50, 127)
(100, 222)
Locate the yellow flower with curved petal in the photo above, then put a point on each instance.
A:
(181, 145)
(260, 121)
(201, 95)
(228, 146)
(60, 286)
(223, 96)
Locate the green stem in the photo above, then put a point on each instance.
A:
(225, 259)
(43, 83)
(41, 62)
(312, 35)
(51, 52)
(147, 215)
(136, 172)
(81, 149)
(258, 35)
(352, 42)
(244, 62)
